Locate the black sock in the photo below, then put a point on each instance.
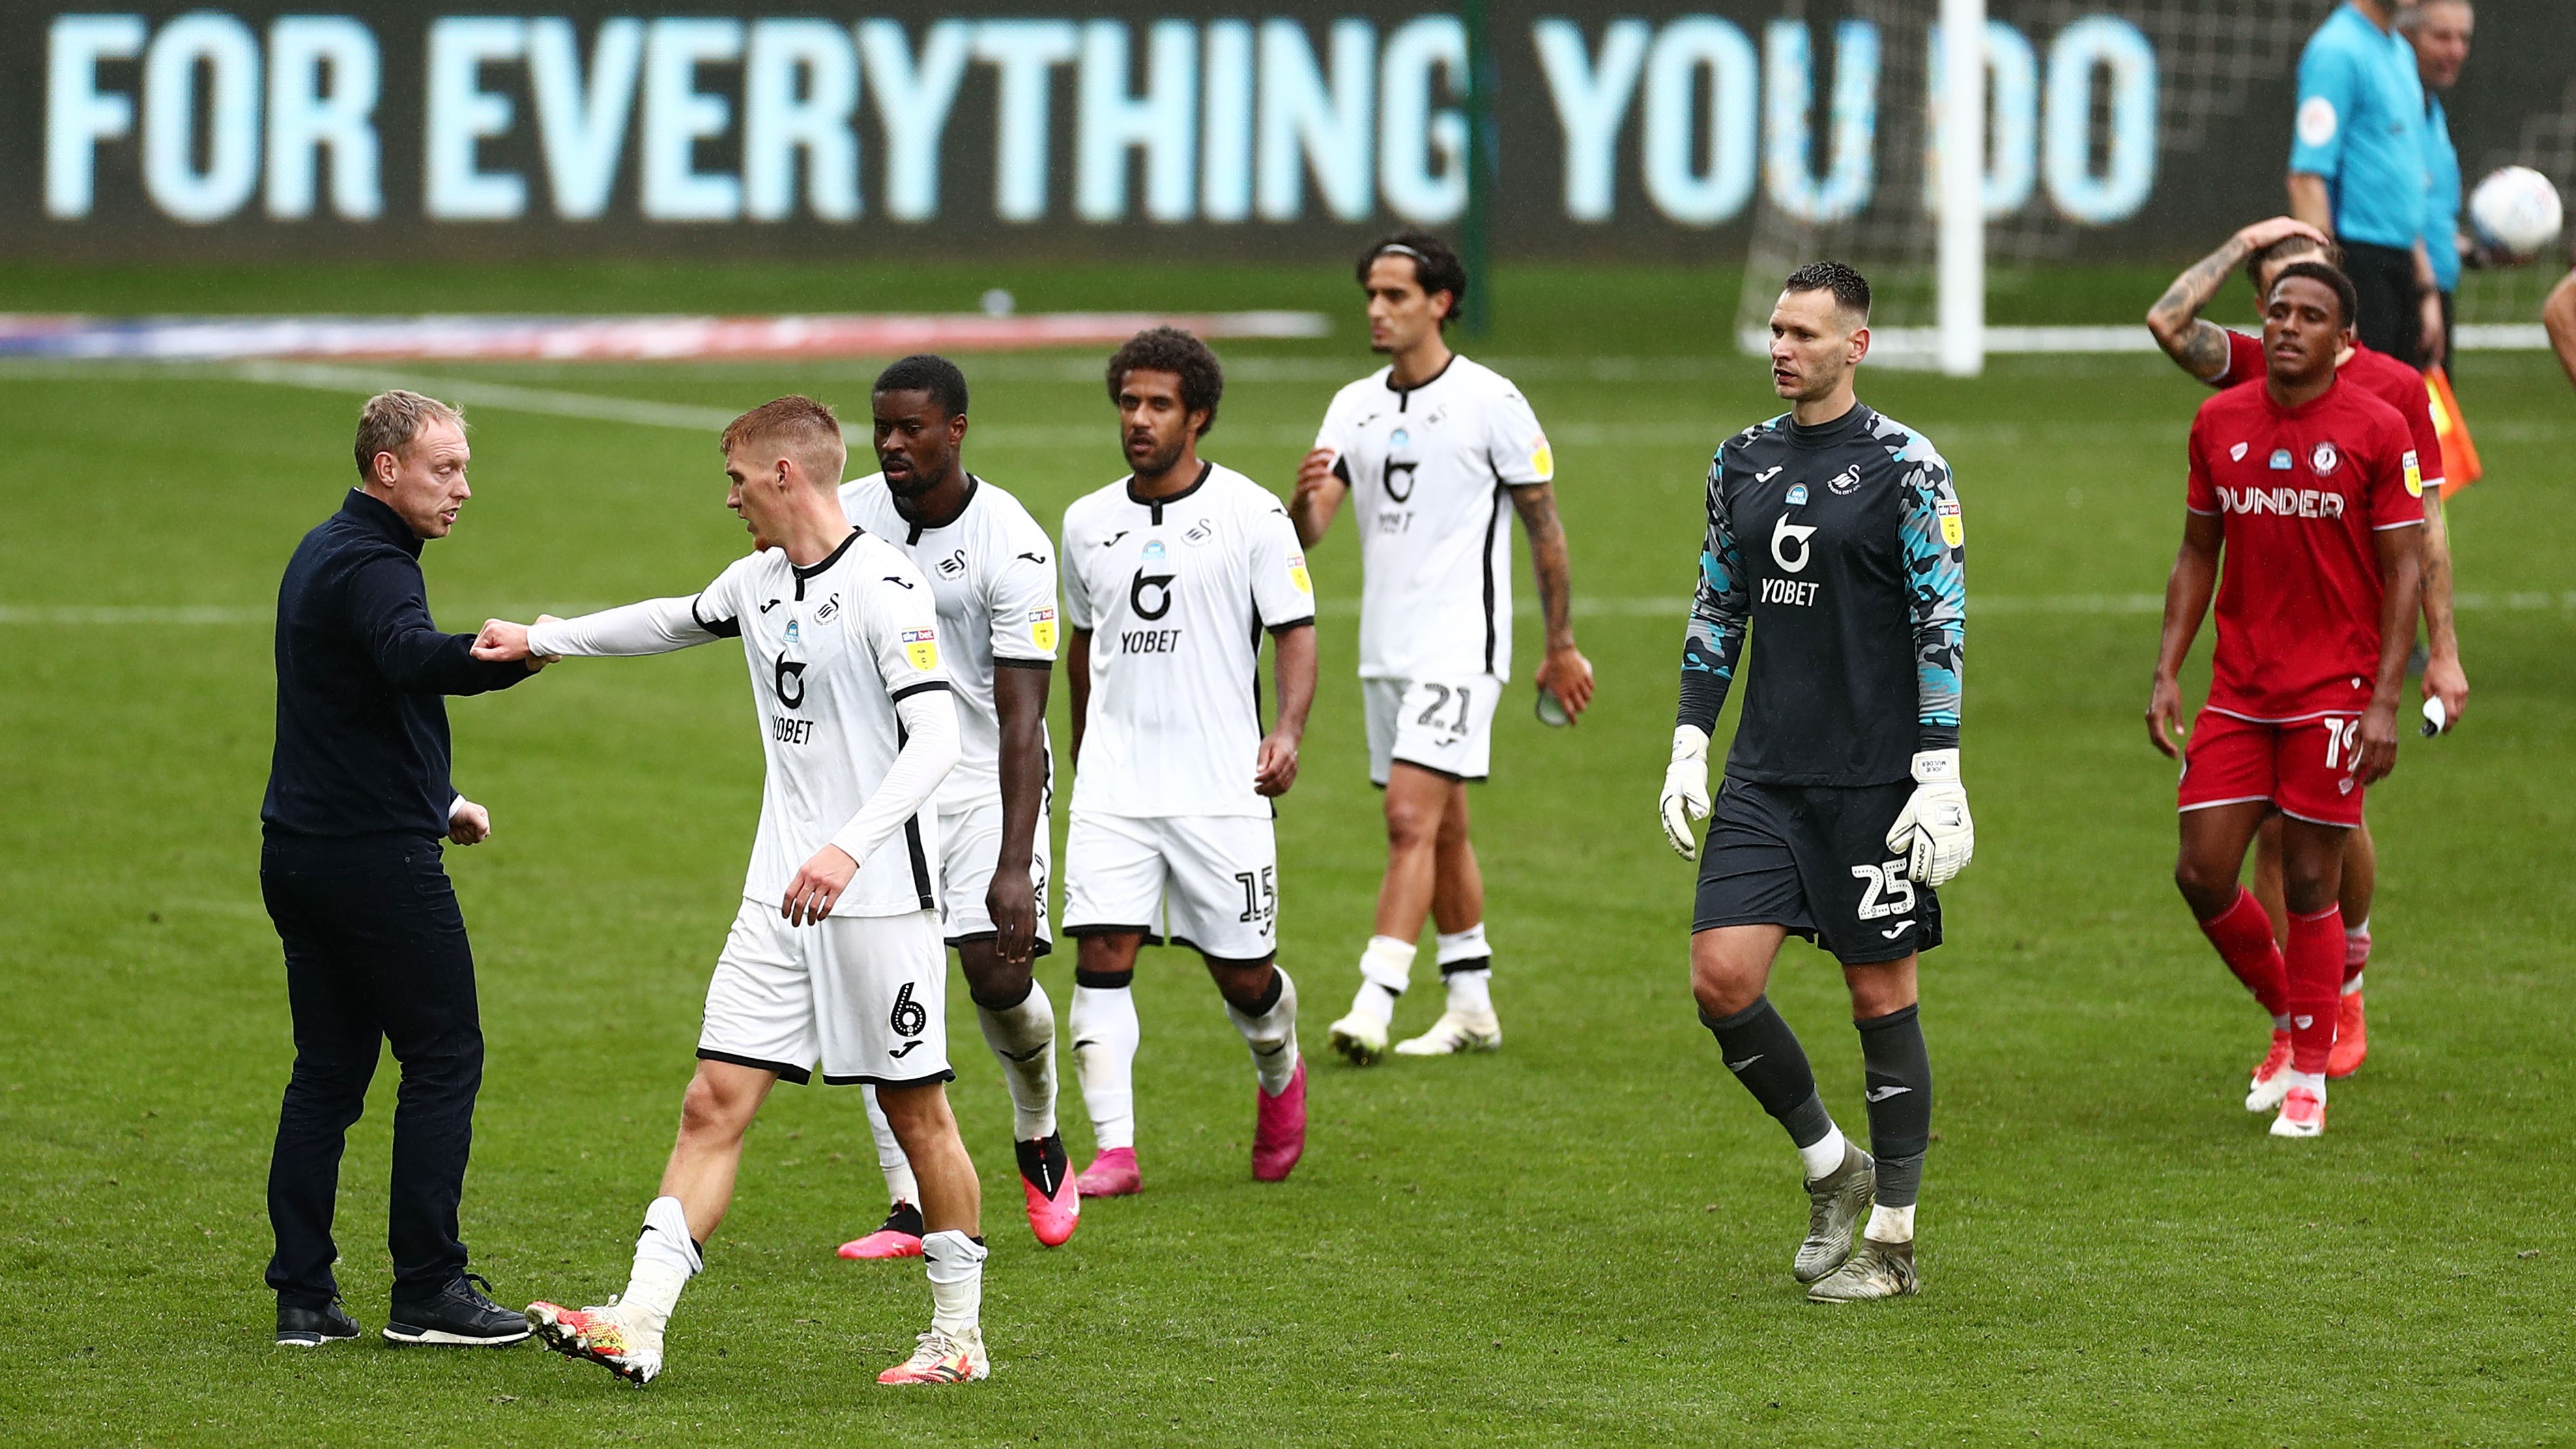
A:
(1899, 1076)
(1765, 1056)
(998, 1007)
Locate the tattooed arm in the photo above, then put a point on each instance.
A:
(2198, 347)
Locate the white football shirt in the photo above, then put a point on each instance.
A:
(1175, 594)
(992, 569)
(831, 649)
(1430, 470)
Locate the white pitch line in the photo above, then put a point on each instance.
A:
(1644, 607)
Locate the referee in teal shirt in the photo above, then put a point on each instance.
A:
(2357, 168)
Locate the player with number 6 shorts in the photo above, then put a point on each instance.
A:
(1172, 575)
(834, 957)
(2312, 489)
(1834, 540)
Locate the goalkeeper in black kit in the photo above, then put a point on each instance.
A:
(1834, 536)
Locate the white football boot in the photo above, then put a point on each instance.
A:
(1360, 1037)
(1455, 1032)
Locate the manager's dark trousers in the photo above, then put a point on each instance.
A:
(375, 953)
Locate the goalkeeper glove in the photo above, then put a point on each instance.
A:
(1935, 833)
(1685, 796)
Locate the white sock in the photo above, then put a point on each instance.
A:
(1386, 969)
(1471, 993)
(1466, 945)
(665, 1261)
(890, 1159)
(1023, 1041)
(2353, 987)
(956, 1266)
(2313, 1081)
(1890, 1224)
(1272, 1036)
(1823, 1155)
(1105, 1036)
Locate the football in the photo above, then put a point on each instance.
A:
(2515, 213)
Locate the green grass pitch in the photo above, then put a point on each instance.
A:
(1582, 1239)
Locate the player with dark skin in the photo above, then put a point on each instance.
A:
(918, 445)
(1431, 864)
(2303, 332)
(1160, 435)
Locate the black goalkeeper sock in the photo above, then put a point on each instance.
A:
(1765, 1056)
(1899, 1076)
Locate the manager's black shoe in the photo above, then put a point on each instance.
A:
(314, 1327)
(457, 1316)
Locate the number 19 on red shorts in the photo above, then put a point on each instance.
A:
(2307, 768)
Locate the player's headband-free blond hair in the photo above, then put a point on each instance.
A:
(799, 426)
(391, 420)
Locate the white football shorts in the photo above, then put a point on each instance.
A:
(865, 995)
(1446, 728)
(1208, 882)
(970, 841)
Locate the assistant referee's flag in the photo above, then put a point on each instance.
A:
(2460, 466)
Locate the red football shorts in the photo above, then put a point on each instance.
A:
(2307, 769)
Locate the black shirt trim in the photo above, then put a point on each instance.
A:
(1404, 395)
(1004, 661)
(924, 687)
(1284, 626)
(721, 628)
(1206, 471)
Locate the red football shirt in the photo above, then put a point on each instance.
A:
(2382, 376)
(2300, 493)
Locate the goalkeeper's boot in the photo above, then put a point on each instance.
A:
(602, 1336)
(2352, 1038)
(1454, 1032)
(1360, 1037)
(2271, 1076)
(1835, 1203)
(2303, 1113)
(1046, 1180)
(1874, 1270)
(943, 1358)
(1279, 1128)
(314, 1327)
(898, 1237)
(1112, 1173)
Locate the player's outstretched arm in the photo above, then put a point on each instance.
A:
(2187, 592)
(1564, 673)
(2400, 579)
(655, 626)
(1320, 491)
(1292, 652)
(2198, 347)
(2558, 315)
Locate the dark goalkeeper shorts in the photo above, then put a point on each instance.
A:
(1814, 859)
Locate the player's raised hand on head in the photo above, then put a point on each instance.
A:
(2164, 717)
(1566, 674)
(818, 883)
(1274, 770)
(2378, 742)
(2258, 235)
(1011, 901)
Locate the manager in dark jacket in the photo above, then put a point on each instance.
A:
(358, 799)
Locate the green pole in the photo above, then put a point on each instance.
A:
(1483, 171)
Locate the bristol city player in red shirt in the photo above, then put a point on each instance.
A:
(2223, 357)
(2311, 489)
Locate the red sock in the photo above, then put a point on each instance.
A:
(2243, 936)
(2356, 952)
(2315, 961)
